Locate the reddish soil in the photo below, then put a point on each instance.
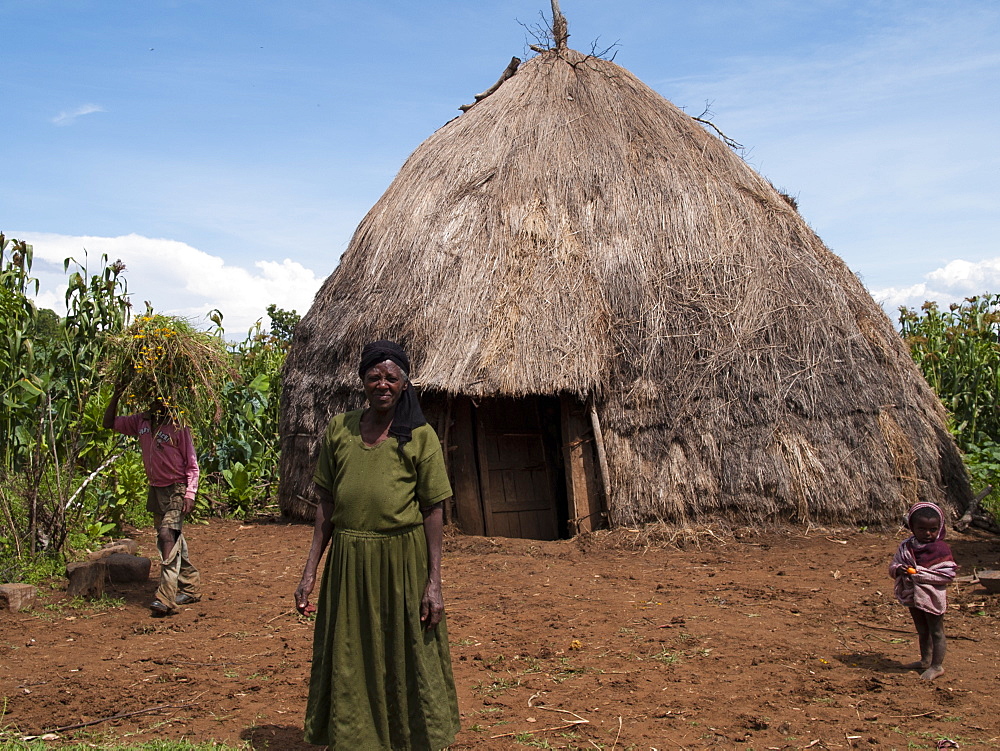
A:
(778, 642)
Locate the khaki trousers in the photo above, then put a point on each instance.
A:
(177, 574)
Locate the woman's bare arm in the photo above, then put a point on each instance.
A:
(322, 530)
(432, 603)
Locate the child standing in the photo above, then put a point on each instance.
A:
(922, 567)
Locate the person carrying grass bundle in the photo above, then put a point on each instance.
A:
(172, 472)
(381, 670)
(922, 567)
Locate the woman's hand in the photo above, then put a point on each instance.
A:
(302, 593)
(431, 605)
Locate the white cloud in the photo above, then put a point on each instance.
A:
(176, 278)
(969, 278)
(952, 282)
(68, 118)
(893, 298)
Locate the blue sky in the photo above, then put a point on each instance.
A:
(226, 150)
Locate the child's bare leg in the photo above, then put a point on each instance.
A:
(935, 624)
(926, 642)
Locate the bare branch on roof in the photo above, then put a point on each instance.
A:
(509, 71)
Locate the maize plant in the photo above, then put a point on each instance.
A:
(958, 350)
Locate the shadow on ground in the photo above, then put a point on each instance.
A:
(276, 737)
(872, 661)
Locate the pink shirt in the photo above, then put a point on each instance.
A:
(168, 456)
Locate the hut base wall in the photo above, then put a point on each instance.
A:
(857, 469)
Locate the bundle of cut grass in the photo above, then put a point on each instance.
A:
(165, 358)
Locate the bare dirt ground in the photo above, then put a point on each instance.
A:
(778, 642)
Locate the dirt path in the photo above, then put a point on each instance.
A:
(784, 642)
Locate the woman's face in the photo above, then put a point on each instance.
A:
(384, 384)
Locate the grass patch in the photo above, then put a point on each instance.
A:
(667, 657)
(102, 603)
(527, 739)
(497, 684)
(531, 665)
(566, 670)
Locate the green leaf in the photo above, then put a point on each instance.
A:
(31, 388)
(261, 383)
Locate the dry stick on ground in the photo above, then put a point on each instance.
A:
(200, 664)
(279, 615)
(884, 628)
(121, 715)
(570, 724)
(904, 631)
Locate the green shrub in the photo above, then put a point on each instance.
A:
(958, 351)
(66, 482)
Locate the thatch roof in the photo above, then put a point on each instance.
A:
(576, 232)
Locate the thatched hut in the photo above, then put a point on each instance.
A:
(614, 320)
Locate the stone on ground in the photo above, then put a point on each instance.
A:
(86, 579)
(131, 547)
(124, 568)
(15, 597)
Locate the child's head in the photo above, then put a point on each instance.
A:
(925, 522)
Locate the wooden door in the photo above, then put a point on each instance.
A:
(518, 481)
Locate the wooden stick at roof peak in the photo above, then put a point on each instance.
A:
(560, 30)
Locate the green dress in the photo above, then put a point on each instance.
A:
(379, 680)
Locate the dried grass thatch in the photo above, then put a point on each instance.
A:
(165, 358)
(576, 233)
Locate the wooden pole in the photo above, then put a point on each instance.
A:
(560, 29)
(602, 456)
(448, 511)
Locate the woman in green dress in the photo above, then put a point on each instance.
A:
(381, 671)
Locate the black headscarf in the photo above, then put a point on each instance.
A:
(408, 414)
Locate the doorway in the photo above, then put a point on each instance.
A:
(508, 469)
